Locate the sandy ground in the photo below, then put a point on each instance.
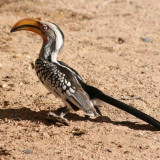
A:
(115, 46)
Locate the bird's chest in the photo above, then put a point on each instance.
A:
(52, 78)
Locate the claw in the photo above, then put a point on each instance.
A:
(55, 117)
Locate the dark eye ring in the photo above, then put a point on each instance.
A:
(45, 27)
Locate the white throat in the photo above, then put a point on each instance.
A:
(53, 46)
(58, 44)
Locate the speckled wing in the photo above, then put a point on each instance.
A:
(75, 92)
(73, 70)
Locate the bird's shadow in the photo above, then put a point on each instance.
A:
(28, 114)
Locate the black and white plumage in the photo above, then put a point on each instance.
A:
(63, 81)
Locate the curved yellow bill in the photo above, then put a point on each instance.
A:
(29, 24)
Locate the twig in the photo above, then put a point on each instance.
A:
(108, 1)
(130, 98)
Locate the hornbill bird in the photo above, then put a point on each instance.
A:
(63, 81)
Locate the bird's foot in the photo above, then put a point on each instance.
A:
(59, 118)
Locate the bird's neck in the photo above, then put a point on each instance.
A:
(49, 51)
(52, 46)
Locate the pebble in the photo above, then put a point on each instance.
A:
(21, 83)
(4, 152)
(120, 40)
(108, 150)
(11, 85)
(27, 151)
(46, 135)
(6, 103)
(4, 85)
(27, 56)
(126, 152)
(146, 39)
(16, 56)
(78, 132)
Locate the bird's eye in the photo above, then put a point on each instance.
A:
(45, 27)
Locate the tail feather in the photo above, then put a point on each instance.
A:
(135, 112)
(94, 93)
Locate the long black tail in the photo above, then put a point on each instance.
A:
(130, 109)
(94, 93)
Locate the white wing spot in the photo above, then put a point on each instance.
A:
(69, 84)
(64, 87)
(65, 81)
(71, 90)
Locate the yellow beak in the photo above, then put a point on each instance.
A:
(29, 24)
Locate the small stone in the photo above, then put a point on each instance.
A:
(28, 56)
(146, 39)
(4, 85)
(120, 40)
(21, 83)
(42, 96)
(16, 56)
(126, 152)
(11, 85)
(37, 129)
(78, 132)
(27, 151)
(46, 135)
(7, 120)
(6, 103)
(4, 152)
(119, 146)
(108, 150)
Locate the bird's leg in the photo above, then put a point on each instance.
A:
(59, 118)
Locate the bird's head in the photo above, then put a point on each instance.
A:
(47, 30)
